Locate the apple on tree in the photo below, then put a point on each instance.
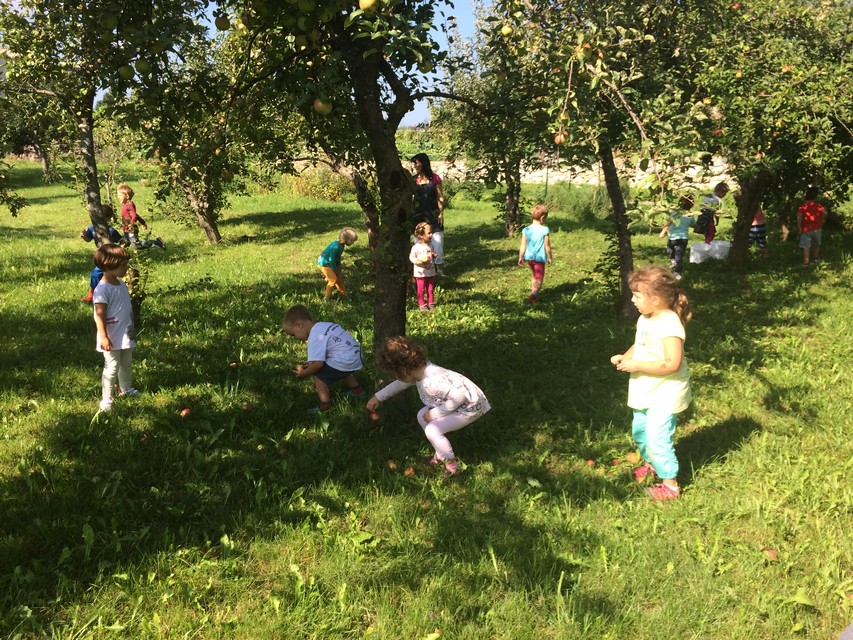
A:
(222, 23)
(506, 31)
(126, 72)
(322, 107)
(368, 6)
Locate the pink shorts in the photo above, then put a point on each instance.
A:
(538, 269)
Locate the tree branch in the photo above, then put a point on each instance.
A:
(450, 96)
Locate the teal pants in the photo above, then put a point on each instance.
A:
(653, 431)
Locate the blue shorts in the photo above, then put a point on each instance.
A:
(330, 375)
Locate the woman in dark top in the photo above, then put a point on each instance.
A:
(429, 205)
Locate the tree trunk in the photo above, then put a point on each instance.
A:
(620, 218)
(44, 156)
(204, 213)
(393, 223)
(512, 219)
(751, 192)
(91, 185)
(371, 217)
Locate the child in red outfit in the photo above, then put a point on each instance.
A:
(810, 217)
(130, 221)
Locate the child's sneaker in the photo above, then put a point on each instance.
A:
(158, 242)
(105, 406)
(532, 298)
(663, 492)
(356, 392)
(433, 460)
(130, 392)
(431, 307)
(424, 307)
(87, 299)
(642, 472)
(323, 407)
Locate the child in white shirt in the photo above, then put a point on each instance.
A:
(451, 401)
(114, 321)
(333, 355)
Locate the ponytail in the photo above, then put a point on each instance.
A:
(660, 282)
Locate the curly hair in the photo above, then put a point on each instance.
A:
(125, 188)
(400, 356)
(660, 283)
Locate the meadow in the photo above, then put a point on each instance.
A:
(248, 518)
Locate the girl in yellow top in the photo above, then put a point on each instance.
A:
(659, 387)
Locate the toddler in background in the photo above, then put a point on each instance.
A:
(810, 217)
(535, 249)
(88, 235)
(130, 221)
(451, 401)
(330, 263)
(422, 257)
(678, 229)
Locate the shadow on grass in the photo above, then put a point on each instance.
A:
(93, 498)
(711, 444)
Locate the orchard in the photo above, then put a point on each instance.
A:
(269, 154)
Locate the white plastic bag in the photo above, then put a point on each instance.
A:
(699, 252)
(720, 249)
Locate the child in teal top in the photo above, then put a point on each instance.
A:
(330, 263)
(535, 249)
(678, 228)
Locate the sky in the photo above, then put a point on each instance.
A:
(464, 11)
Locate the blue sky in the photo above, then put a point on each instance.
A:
(464, 11)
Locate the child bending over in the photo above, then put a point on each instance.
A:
(451, 401)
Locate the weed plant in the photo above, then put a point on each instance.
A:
(247, 518)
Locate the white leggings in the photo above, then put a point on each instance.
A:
(116, 364)
(436, 429)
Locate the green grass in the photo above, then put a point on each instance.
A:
(248, 519)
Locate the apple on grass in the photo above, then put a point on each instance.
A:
(374, 415)
(185, 412)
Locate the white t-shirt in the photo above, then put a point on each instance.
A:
(443, 391)
(119, 320)
(329, 343)
(670, 392)
(419, 252)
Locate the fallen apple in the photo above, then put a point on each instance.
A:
(632, 457)
(374, 416)
(391, 464)
(409, 471)
(590, 463)
(185, 412)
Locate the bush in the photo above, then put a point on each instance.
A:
(319, 183)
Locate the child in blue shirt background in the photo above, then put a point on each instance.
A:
(330, 263)
(678, 228)
(535, 249)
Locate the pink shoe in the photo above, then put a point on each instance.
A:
(451, 468)
(642, 472)
(663, 492)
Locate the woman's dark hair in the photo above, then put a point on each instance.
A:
(426, 167)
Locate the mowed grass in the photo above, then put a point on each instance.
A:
(249, 519)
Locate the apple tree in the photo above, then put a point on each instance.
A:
(69, 52)
(776, 79)
(353, 74)
(501, 123)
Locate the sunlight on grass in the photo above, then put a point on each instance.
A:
(247, 518)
